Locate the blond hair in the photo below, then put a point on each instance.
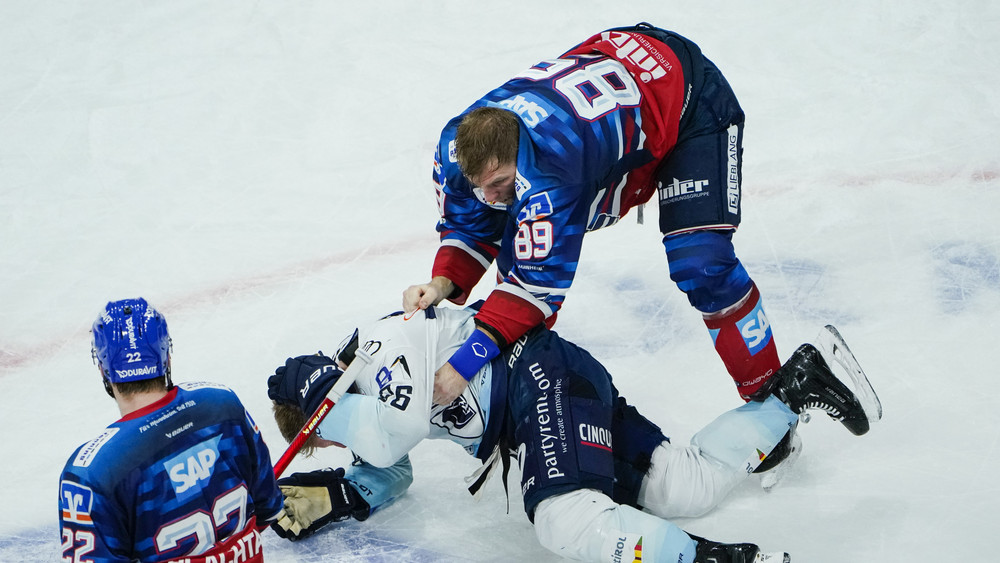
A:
(291, 419)
(486, 138)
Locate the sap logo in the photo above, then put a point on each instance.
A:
(193, 465)
(77, 501)
(640, 52)
(531, 113)
(679, 188)
(195, 468)
(755, 329)
(537, 207)
(452, 152)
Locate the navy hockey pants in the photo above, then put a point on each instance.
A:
(571, 428)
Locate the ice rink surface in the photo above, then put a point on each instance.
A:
(260, 171)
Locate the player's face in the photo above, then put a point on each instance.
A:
(497, 184)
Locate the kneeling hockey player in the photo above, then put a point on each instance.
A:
(184, 475)
(590, 462)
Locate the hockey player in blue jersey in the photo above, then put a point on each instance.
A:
(589, 462)
(571, 145)
(183, 476)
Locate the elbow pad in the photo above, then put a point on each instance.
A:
(704, 266)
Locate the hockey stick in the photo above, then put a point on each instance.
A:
(361, 359)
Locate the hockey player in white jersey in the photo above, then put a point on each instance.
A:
(599, 480)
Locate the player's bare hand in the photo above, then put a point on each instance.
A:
(448, 385)
(414, 295)
(422, 296)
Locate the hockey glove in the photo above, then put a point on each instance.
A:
(303, 381)
(313, 500)
(348, 348)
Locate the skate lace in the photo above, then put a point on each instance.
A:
(829, 409)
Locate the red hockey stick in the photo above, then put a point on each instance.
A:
(361, 358)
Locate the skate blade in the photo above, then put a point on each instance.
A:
(831, 344)
(769, 479)
(777, 557)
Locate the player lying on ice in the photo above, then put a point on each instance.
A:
(595, 472)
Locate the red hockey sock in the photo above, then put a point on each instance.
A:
(744, 342)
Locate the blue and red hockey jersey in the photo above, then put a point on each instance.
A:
(595, 123)
(187, 478)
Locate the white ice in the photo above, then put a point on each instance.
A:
(260, 171)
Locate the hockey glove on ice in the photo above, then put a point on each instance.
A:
(313, 500)
(303, 381)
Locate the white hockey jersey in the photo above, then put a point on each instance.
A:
(393, 411)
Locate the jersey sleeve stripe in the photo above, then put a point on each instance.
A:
(483, 259)
(537, 299)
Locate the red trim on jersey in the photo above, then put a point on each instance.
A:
(159, 404)
(242, 547)
(460, 267)
(658, 74)
(509, 315)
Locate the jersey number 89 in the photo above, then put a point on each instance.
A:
(533, 240)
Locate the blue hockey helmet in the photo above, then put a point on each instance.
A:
(131, 342)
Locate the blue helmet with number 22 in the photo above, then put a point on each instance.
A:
(131, 342)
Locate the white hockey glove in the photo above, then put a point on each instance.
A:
(313, 500)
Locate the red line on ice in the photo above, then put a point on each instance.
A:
(11, 358)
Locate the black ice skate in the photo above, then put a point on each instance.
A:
(805, 382)
(714, 552)
(783, 461)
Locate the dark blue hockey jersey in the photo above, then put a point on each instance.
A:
(187, 478)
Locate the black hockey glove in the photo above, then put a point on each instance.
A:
(313, 500)
(303, 381)
(348, 348)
